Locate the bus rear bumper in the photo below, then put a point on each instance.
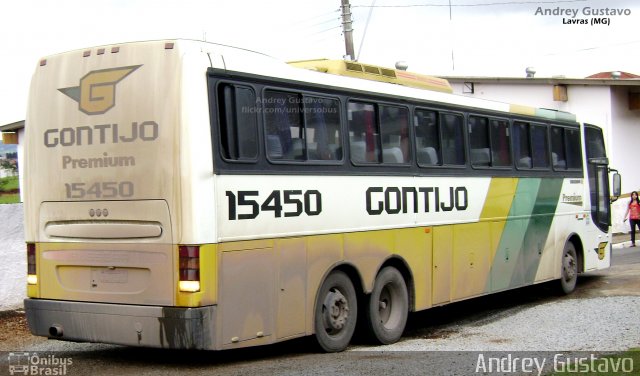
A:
(131, 325)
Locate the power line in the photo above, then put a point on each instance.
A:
(366, 26)
(564, 52)
(324, 22)
(310, 19)
(325, 30)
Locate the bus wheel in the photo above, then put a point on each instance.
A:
(569, 273)
(388, 306)
(336, 312)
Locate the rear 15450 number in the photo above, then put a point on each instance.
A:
(287, 203)
(107, 189)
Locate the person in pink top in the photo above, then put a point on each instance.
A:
(633, 213)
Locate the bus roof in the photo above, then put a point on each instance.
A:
(345, 74)
(376, 73)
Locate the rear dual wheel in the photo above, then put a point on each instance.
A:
(336, 312)
(388, 306)
(336, 309)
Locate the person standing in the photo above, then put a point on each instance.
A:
(633, 213)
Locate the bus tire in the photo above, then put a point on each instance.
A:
(336, 312)
(388, 306)
(569, 269)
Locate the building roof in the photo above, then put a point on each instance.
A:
(12, 126)
(598, 79)
(621, 75)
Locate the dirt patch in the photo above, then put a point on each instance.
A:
(14, 332)
(440, 334)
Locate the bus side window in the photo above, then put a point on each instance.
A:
(285, 135)
(452, 139)
(521, 145)
(238, 123)
(500, 145)
(539, 146)
(574, 154)
(565, 148)
(322, 123)
(394, 129)
(427, 138)
(479, 148)
(557, 149)
(364, 134)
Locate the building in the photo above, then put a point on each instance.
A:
(610, 100)
(13, 133)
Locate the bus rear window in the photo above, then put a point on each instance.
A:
(238, 124)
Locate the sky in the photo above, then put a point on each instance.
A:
(496, 38)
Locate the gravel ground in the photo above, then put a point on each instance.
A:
(596, 324)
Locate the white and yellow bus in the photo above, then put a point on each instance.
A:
(183, 194)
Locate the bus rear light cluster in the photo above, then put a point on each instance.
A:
(189, 268)
(32, 277)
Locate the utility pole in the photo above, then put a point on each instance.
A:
(347, 30)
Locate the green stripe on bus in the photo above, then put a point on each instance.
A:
(539, 227)
(506, 260)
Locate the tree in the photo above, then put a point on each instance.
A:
(9, 164)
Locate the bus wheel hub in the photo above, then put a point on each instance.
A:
(337, 310)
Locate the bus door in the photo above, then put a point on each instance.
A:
(598, 174)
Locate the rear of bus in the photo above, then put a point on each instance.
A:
(109, 164)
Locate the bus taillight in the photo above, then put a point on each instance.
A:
(189, 268)
(32, 277)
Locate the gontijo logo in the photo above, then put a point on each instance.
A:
(97, 91)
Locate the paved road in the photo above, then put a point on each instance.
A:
(300, 357)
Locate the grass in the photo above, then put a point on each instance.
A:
(8, 190)
(9, 183)
(12, 198)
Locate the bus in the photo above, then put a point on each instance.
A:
(184, 194)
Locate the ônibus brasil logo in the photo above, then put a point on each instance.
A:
(96, 93)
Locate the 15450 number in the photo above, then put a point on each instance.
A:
(287, 203)
(107, 189)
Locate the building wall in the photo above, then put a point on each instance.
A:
(622, 148)
(535, 95)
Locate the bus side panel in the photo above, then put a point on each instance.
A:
(415, 246)
(471, 250)
(247, 291)
(292, 287)
(442, 251)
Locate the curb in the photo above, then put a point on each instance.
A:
(621, 245)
